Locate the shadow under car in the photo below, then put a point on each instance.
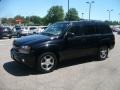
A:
(17, 69)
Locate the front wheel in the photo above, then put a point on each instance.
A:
(103, 53)
(47, 62)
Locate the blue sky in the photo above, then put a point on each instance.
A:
(10, 8)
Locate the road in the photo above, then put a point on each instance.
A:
(81, 74)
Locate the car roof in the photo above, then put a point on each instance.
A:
(83, 22)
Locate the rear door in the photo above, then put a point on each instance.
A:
(91, 36)
(76, 44)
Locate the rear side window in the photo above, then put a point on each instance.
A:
(103, 29)
(89, 29)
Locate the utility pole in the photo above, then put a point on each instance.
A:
(119, 15)
(90, 5)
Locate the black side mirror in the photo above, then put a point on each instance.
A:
(70, 35)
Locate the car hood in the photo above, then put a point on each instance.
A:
(32, 39)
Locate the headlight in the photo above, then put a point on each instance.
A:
(25, 49)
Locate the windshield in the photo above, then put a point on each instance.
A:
(55, 29)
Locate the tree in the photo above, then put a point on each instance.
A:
(11, 21)
(35, 20)
(112, 22)
(18, 17)
(72, 15)
(4, 21)
(55, 13)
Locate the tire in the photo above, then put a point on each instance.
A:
(45, 66)
(103, 53)
(10, 37)
(1, 37)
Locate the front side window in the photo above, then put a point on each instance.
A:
(76, 30)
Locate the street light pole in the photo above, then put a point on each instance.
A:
(109, 11)
(82, 15)
(119, 15)
(68, 8)
(90, 4)
(0, 18)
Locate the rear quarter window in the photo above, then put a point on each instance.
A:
(103, 29)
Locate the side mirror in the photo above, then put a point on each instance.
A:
(70, 35)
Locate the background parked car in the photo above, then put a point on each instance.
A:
(33, 30)
(41, 28)
(17, 31)
(118, 32)
(116, 29)
(24, 31)
(5, 32)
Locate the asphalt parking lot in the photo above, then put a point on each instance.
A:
(81, 74)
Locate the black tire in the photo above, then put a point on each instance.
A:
(41, 60)
(1, 37)
(10, 37)
(103, 53)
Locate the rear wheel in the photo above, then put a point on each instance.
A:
(103, 53)
(47, 62)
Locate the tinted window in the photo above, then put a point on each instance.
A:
(18, 28)
(77, 30)
(103, 29)
(89, 29)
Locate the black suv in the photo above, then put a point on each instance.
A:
(64, 41)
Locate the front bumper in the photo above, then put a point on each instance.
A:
(27, 59)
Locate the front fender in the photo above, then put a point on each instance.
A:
(46, 48)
